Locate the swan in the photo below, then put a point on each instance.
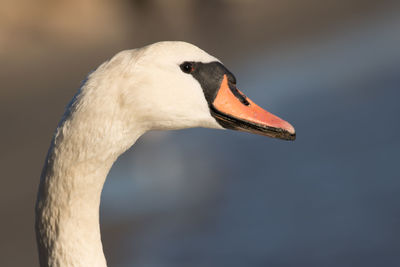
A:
(162, 86)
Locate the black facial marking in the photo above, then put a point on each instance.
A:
(210, 76)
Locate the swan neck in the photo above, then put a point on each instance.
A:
(67, 209)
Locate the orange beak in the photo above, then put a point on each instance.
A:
(235, 111)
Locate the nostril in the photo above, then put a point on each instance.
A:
(242, 98)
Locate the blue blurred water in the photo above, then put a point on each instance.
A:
(331, 198)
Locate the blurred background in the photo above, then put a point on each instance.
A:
(204, 197)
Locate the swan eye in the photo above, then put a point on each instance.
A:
(187, 67)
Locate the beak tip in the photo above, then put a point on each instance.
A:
(293, 136)
(289, 128)
(291, 132)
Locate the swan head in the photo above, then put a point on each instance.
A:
(176, 85)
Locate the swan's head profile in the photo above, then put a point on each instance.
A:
(175, 85)
(167, 85)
